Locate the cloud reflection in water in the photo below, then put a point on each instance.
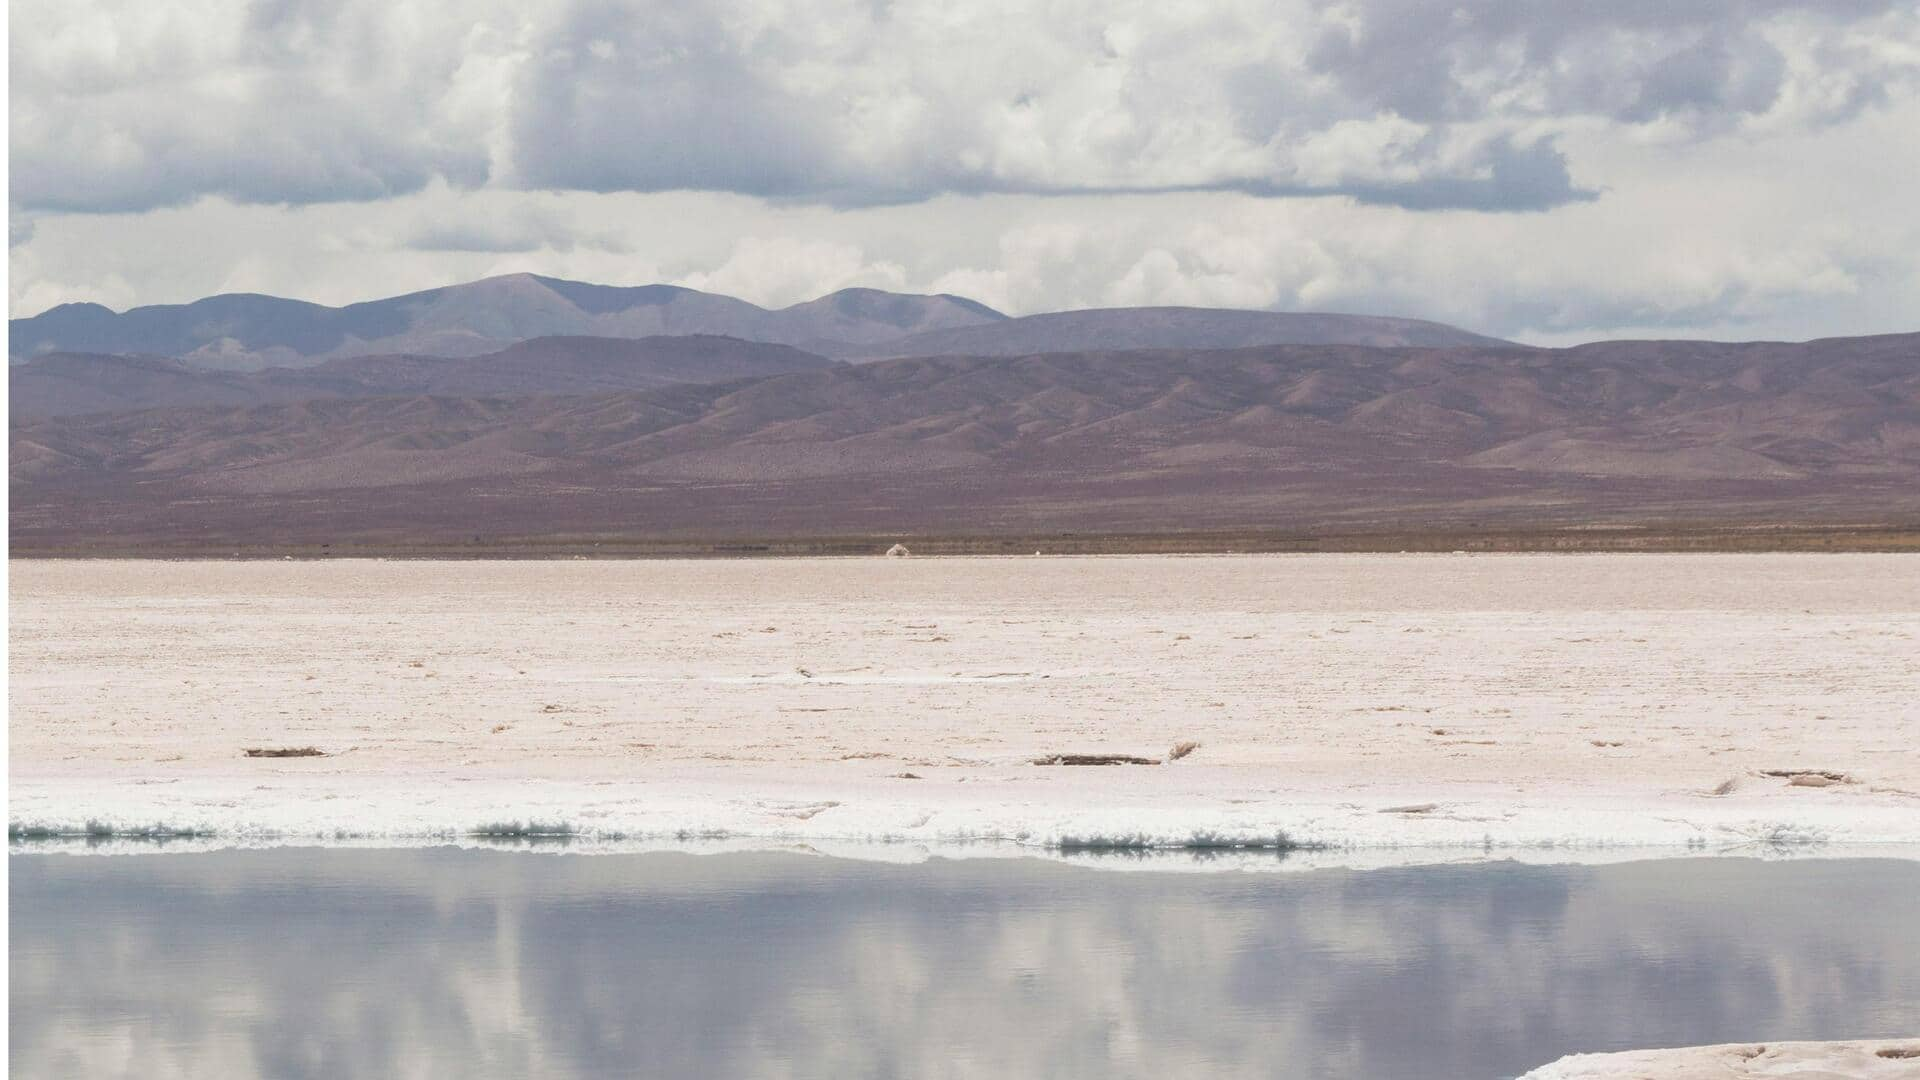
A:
(339, 963)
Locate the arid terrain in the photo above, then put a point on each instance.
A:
(1295, 440)
(1559, 705)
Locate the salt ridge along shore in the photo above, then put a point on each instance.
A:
(1885, 1059)
(1375, 708)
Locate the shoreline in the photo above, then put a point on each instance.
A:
(1597, 537)
(1186, 810)
(1212, 856)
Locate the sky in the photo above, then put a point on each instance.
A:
(1549, 172)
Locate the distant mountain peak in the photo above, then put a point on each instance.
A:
(603, 299)
(79, 306)
(899, 309)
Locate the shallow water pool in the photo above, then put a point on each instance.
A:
(464, 963)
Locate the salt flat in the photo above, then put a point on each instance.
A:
(1584, 706)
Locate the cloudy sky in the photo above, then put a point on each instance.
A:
(1552, 171)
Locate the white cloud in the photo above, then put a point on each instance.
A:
(120, 106)
(1753, 161)
(782, 271)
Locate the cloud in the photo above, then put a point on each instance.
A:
(1701, 169)
(781, 271)
(1744, 242)
(1711, 64)
(127, 107)
(861, 106)
(523, 226)
(850, 103)
(1498, 176)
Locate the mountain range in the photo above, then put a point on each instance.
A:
(250, 332)
(1287, 437)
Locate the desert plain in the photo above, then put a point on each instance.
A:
(1371, 708)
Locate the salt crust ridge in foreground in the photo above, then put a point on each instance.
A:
(1884, 1059)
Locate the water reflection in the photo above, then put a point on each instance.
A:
(483, 963)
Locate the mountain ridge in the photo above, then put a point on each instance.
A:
(246, 331)
(1157, 440)
(1165, 327)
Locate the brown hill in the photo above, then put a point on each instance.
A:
(1290, 437)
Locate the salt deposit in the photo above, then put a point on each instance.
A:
(1874, 1060)
(1388, 708)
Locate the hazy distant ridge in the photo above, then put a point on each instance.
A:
(1173, 328)
(250, 332)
